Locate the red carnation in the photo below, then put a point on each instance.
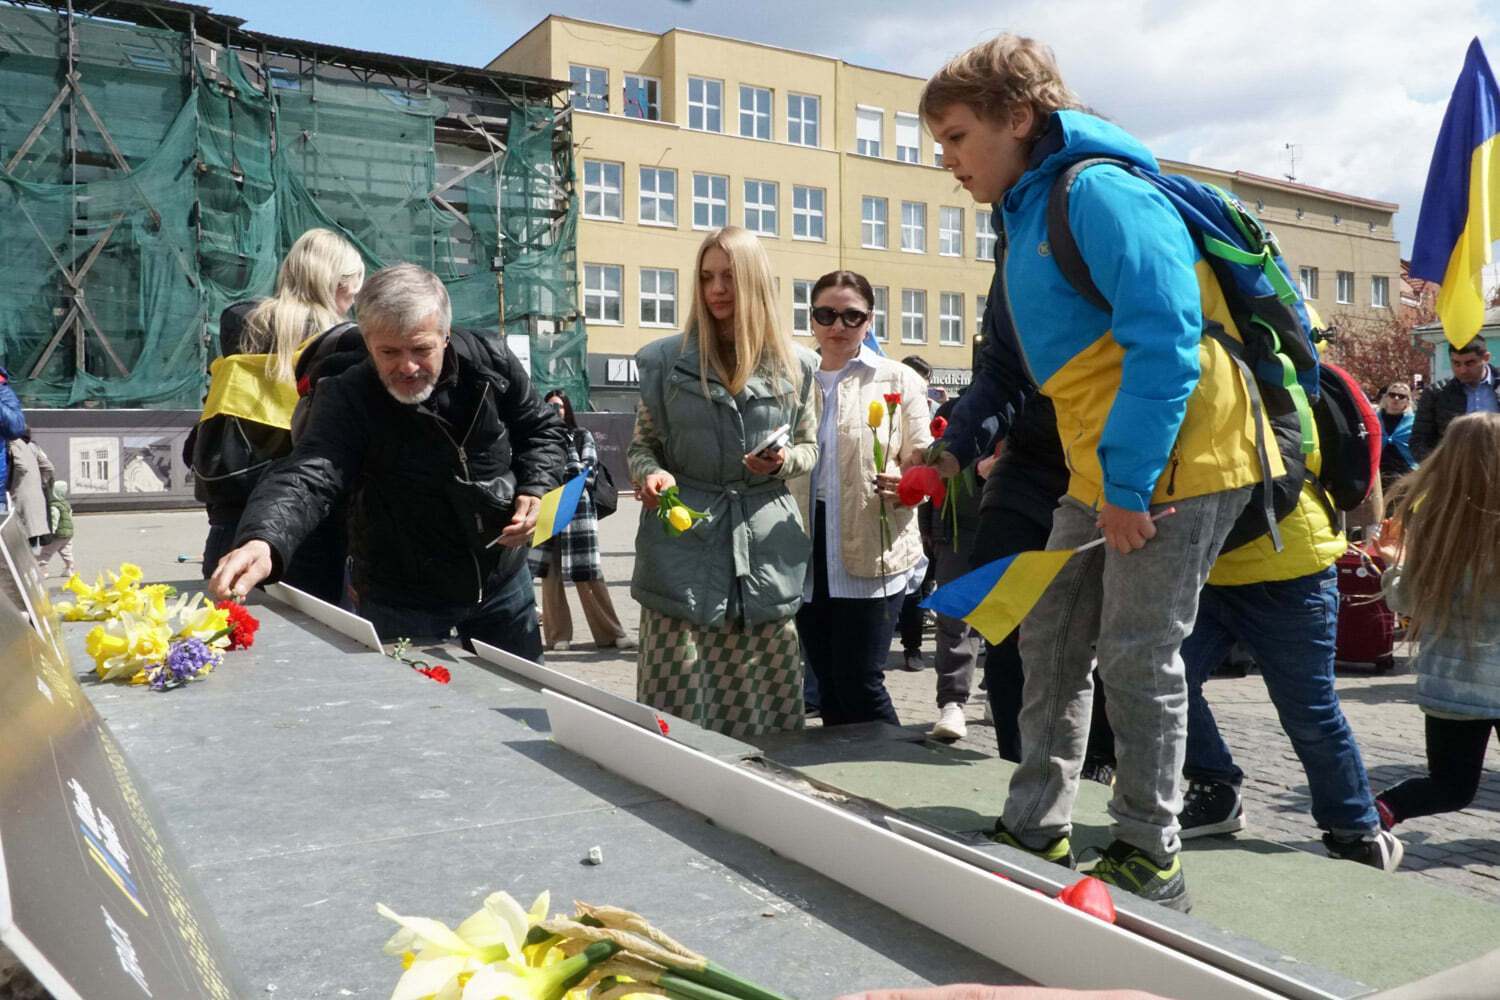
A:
(893, 399)
(242, 625)
(439, 673)
(662, 725)
(938, 426)
(918, 483)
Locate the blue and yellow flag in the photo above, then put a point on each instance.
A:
(558, 508)
(996, 596)
(1460, 218)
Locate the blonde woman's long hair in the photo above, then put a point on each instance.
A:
(317, 266)
(760, 341)
(1448, 514)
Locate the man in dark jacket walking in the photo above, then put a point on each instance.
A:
(1474, 388)
(443, 450)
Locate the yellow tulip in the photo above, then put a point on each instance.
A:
(877, 414)
(679, 518)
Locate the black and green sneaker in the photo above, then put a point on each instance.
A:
(1131, 869)
(1059, 852)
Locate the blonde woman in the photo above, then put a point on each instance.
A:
(718, 643)
(247, 417)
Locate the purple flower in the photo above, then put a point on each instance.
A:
(186, 659)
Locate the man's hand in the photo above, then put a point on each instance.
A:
(947, 465)
(518, 532)
(987, 465)
(1125, 530)
(240, 570)
(652, 486)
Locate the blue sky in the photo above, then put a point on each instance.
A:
(1357, 87)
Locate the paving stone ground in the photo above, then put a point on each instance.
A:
(1460, 850)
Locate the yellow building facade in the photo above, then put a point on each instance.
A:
(679, 133)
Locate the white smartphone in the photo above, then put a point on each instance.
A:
(778, 438)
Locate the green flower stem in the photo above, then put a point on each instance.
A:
(680, 988)
(574, 968)
(717, 977)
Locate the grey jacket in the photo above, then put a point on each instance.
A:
(1455, 676)
(748, 561)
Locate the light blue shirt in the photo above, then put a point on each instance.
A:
(1481, 397)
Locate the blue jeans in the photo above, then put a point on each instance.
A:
(505, 619)
(1289, 627)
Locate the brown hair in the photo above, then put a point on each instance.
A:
(997, 77)
(844, 279)
(1448, 512)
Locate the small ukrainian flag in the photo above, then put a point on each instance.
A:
(996, 596)
(558, 508)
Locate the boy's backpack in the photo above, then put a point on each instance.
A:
(1277, 354)
(1349, 429)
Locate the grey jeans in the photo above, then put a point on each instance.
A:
(1135, 610)
(957, 644)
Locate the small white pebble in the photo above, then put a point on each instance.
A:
(596, 856)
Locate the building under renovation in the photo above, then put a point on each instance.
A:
(157, 159)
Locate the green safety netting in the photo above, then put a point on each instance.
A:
(219, 177)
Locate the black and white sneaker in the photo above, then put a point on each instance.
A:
(1378, 849)
(1211, 807)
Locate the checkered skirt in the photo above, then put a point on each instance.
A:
(734, 679)
(578, 544)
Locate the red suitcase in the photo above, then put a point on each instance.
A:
(1367, 628)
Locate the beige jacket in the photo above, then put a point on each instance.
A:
(859, 514)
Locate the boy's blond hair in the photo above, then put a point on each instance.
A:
(996, 78)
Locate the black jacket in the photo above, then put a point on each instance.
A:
(429, 486)
(1435, 411)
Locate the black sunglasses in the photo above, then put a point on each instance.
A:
(852, 318)
(1396, 395)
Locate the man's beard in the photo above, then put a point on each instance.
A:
(403, 392)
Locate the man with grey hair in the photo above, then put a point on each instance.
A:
(442, 448)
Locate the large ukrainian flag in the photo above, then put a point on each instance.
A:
(558, 508)
(996, 596)
(1460, 218)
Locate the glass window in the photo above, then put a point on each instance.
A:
(1309, 278)
(658, 297)
(802, 308)
(760, 207)
(878, 323)
(984, 234)
(1344, 289)
(642, 97)
(658, 196)
(590, 90)
(872, 223)
(705, 104)
(914, 226)
(951, 318)
(802, 119)
(937, 155)
(867, 131)
(981, 302)
(710, 201)
(601, 292)
(1380, 291)
(951, 231)
(601, 189)
(807, 213)
(908, 138)
(913, 316)
(755, 112)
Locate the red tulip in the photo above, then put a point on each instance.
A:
(661, 724)
(918, 483)
(937, 427)
(1091, 896)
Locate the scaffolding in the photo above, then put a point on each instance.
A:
(157, 160)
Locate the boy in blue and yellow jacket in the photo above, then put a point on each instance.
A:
(1151, 414)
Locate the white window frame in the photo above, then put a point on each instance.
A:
(984, 234)
(911, 125)
(879, 322)
(1343, 288)
(913, 227)
(660, 301)
(937, 154)
(704, 108)
(601, 188)
(758, 115)
(1308, 278)
(866, 116)
(1380, 291)
(798, 124)
(802, 307)
(913, 315)
(758, 211)
(652, 87)
(980, 302)
(598, 293)
(663, 203)
(812, 222)
(950, 237)
(950, 323)
(595, 88)
(714, 204)
(868, 226)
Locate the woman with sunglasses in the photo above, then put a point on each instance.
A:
(1396, 421)
(855, 584)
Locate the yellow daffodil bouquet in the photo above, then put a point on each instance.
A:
(503, 952)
